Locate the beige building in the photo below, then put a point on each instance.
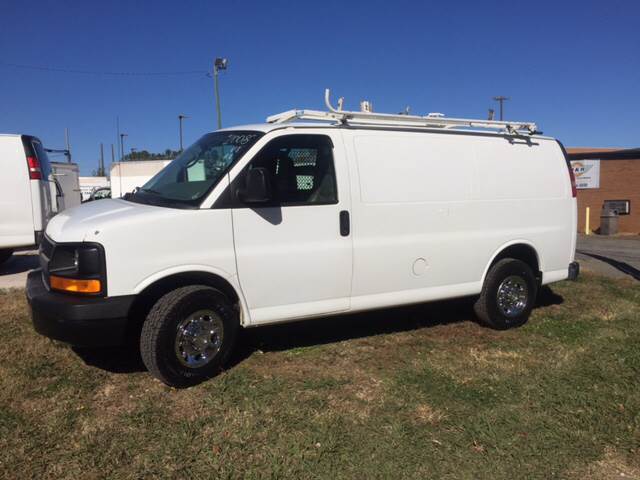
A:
(126, 176)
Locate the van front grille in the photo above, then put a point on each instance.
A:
(46, 253)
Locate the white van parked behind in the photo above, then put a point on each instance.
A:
(288, 220)
(27, 196)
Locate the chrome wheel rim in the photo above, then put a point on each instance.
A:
(199, 338)
(512, 296)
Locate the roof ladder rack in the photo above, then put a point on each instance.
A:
(432, 120)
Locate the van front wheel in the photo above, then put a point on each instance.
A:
(5, 255)
(508, 295)
(188, 335)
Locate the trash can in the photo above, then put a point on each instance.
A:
(609, 222)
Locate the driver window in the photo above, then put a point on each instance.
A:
(300, 168)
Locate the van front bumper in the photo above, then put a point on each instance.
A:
(81, 321)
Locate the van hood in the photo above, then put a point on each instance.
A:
(86, 221)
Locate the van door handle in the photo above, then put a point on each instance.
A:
(345, 227)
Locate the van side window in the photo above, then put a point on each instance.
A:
(301, 169)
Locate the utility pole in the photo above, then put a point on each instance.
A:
(118, 134)
(113, 154)
(101, 164)
(66, 139)
(180, 118)
(122, 135)
(218, 64)
(501, 99)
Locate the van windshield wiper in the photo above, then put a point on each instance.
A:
(148, 190)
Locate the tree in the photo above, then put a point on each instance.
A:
(146, 155)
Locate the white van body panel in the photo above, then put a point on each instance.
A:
(145, 243)
(16, 212)
(429, 212)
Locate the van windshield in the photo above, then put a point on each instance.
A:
(186, 181)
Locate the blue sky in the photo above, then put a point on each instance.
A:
(572, 67)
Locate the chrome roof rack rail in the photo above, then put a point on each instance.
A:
(433, 120)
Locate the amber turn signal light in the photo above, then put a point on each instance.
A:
(75, 285)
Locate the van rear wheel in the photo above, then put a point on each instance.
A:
(5, 255)
(188, 335)
(508, 295)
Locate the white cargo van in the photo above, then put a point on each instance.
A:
(287, 220)
(27, 196)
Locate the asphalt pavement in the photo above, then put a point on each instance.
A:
(617, 257)
(13, 273)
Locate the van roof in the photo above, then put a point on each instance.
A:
(268, 127)
(337, 117)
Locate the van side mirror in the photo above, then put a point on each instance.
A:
(257, 188)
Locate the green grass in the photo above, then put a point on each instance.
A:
(417, 392)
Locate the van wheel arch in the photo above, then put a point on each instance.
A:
(147, 298)
(519, 251)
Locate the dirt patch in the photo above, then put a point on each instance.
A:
(613, 466)
(349, 385)
(110, 402)
(426, 414)
(495, 358)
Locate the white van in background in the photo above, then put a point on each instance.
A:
(92, 185)
(287, 220)
(27, 194)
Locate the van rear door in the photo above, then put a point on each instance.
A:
(16, 222)
(40, 179)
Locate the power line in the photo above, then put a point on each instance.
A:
(96, 72)
(501, 99)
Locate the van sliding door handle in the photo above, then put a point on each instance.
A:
(345, 227)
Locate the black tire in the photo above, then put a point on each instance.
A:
(160, 331)
(5, 255)
(493, 312)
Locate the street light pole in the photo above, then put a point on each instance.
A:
(101, 163)
(218, 64)
(122, 135)
(180, 118)
(66, 138)
(501, 99)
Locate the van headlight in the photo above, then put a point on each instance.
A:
(78, 268)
